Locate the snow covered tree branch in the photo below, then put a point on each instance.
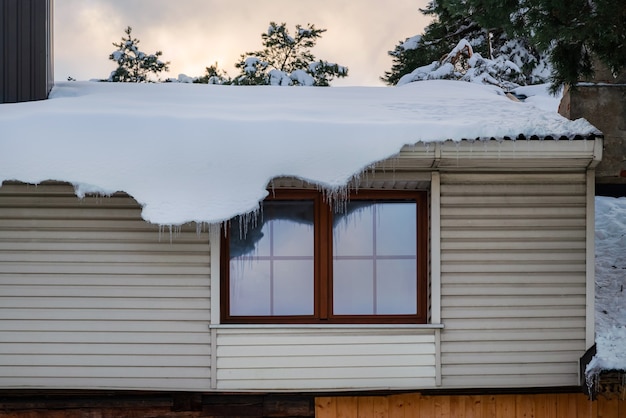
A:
(287, 60)
(133, 65)
(560, 42)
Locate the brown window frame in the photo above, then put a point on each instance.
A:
(323, 259)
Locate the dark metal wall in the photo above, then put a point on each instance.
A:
(26, 58)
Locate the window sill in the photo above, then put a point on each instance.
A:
(326, 326)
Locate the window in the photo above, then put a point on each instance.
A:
(300, 261)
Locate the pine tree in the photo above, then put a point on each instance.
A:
(287, 60)
(133, 65)
(578, 33)
(214, 75)
(498, 58)
(439, 38)
(572, 35)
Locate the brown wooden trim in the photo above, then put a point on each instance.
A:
(224, 271)
(323, 251)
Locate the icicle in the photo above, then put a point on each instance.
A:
(457, 145)
(200, 228)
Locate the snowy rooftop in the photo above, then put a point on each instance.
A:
(206, 153)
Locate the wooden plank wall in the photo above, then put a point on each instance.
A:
(567, 405)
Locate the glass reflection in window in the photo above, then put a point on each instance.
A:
(271, 261)
(375, 259)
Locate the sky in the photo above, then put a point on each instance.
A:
(193, 34)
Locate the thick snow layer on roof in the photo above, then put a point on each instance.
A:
(610, 307)
(206, 153)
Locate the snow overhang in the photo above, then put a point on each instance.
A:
(207, 153)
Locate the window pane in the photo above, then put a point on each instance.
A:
(272, 261)
(353, 287)
(396, 229)
(249, 287)
(293, 287)
(397, 287)
(353, 231)
(374, 259)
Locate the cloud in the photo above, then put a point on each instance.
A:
(196, 33)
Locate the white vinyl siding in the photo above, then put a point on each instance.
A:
(513, 279)
(324, 359)
(92, 296)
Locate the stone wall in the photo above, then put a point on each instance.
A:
(602, 101)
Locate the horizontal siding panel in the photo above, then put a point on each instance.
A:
(326, 372)
(512, 223)
(499, 324)
(514, 200)
(338, 383)
(520, 289)
(515, 268)
(505, 279)
(268, 351)
(465, 180)
(513, 245)
(102, 325)
(327, 361)
(485, 346)
(113, 383)
(93, 213)
(103, 257)
(513, 279)
(519, 312)
(26, 198)
(93, 234)
(82, 268)
(507, 381)
(509, 256)
(179, 314)
(526, 185)
(155, 372)
(509, 212)
(125, 360)
(521, 301)
(101, 292)
(91, 296)
(104, 349)
(515, 357)
(547, 232)
(87, 302)
(106, 338)
(197, 281)
(324, 359)
(509, 369)
(118, 248)
(515, 335)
